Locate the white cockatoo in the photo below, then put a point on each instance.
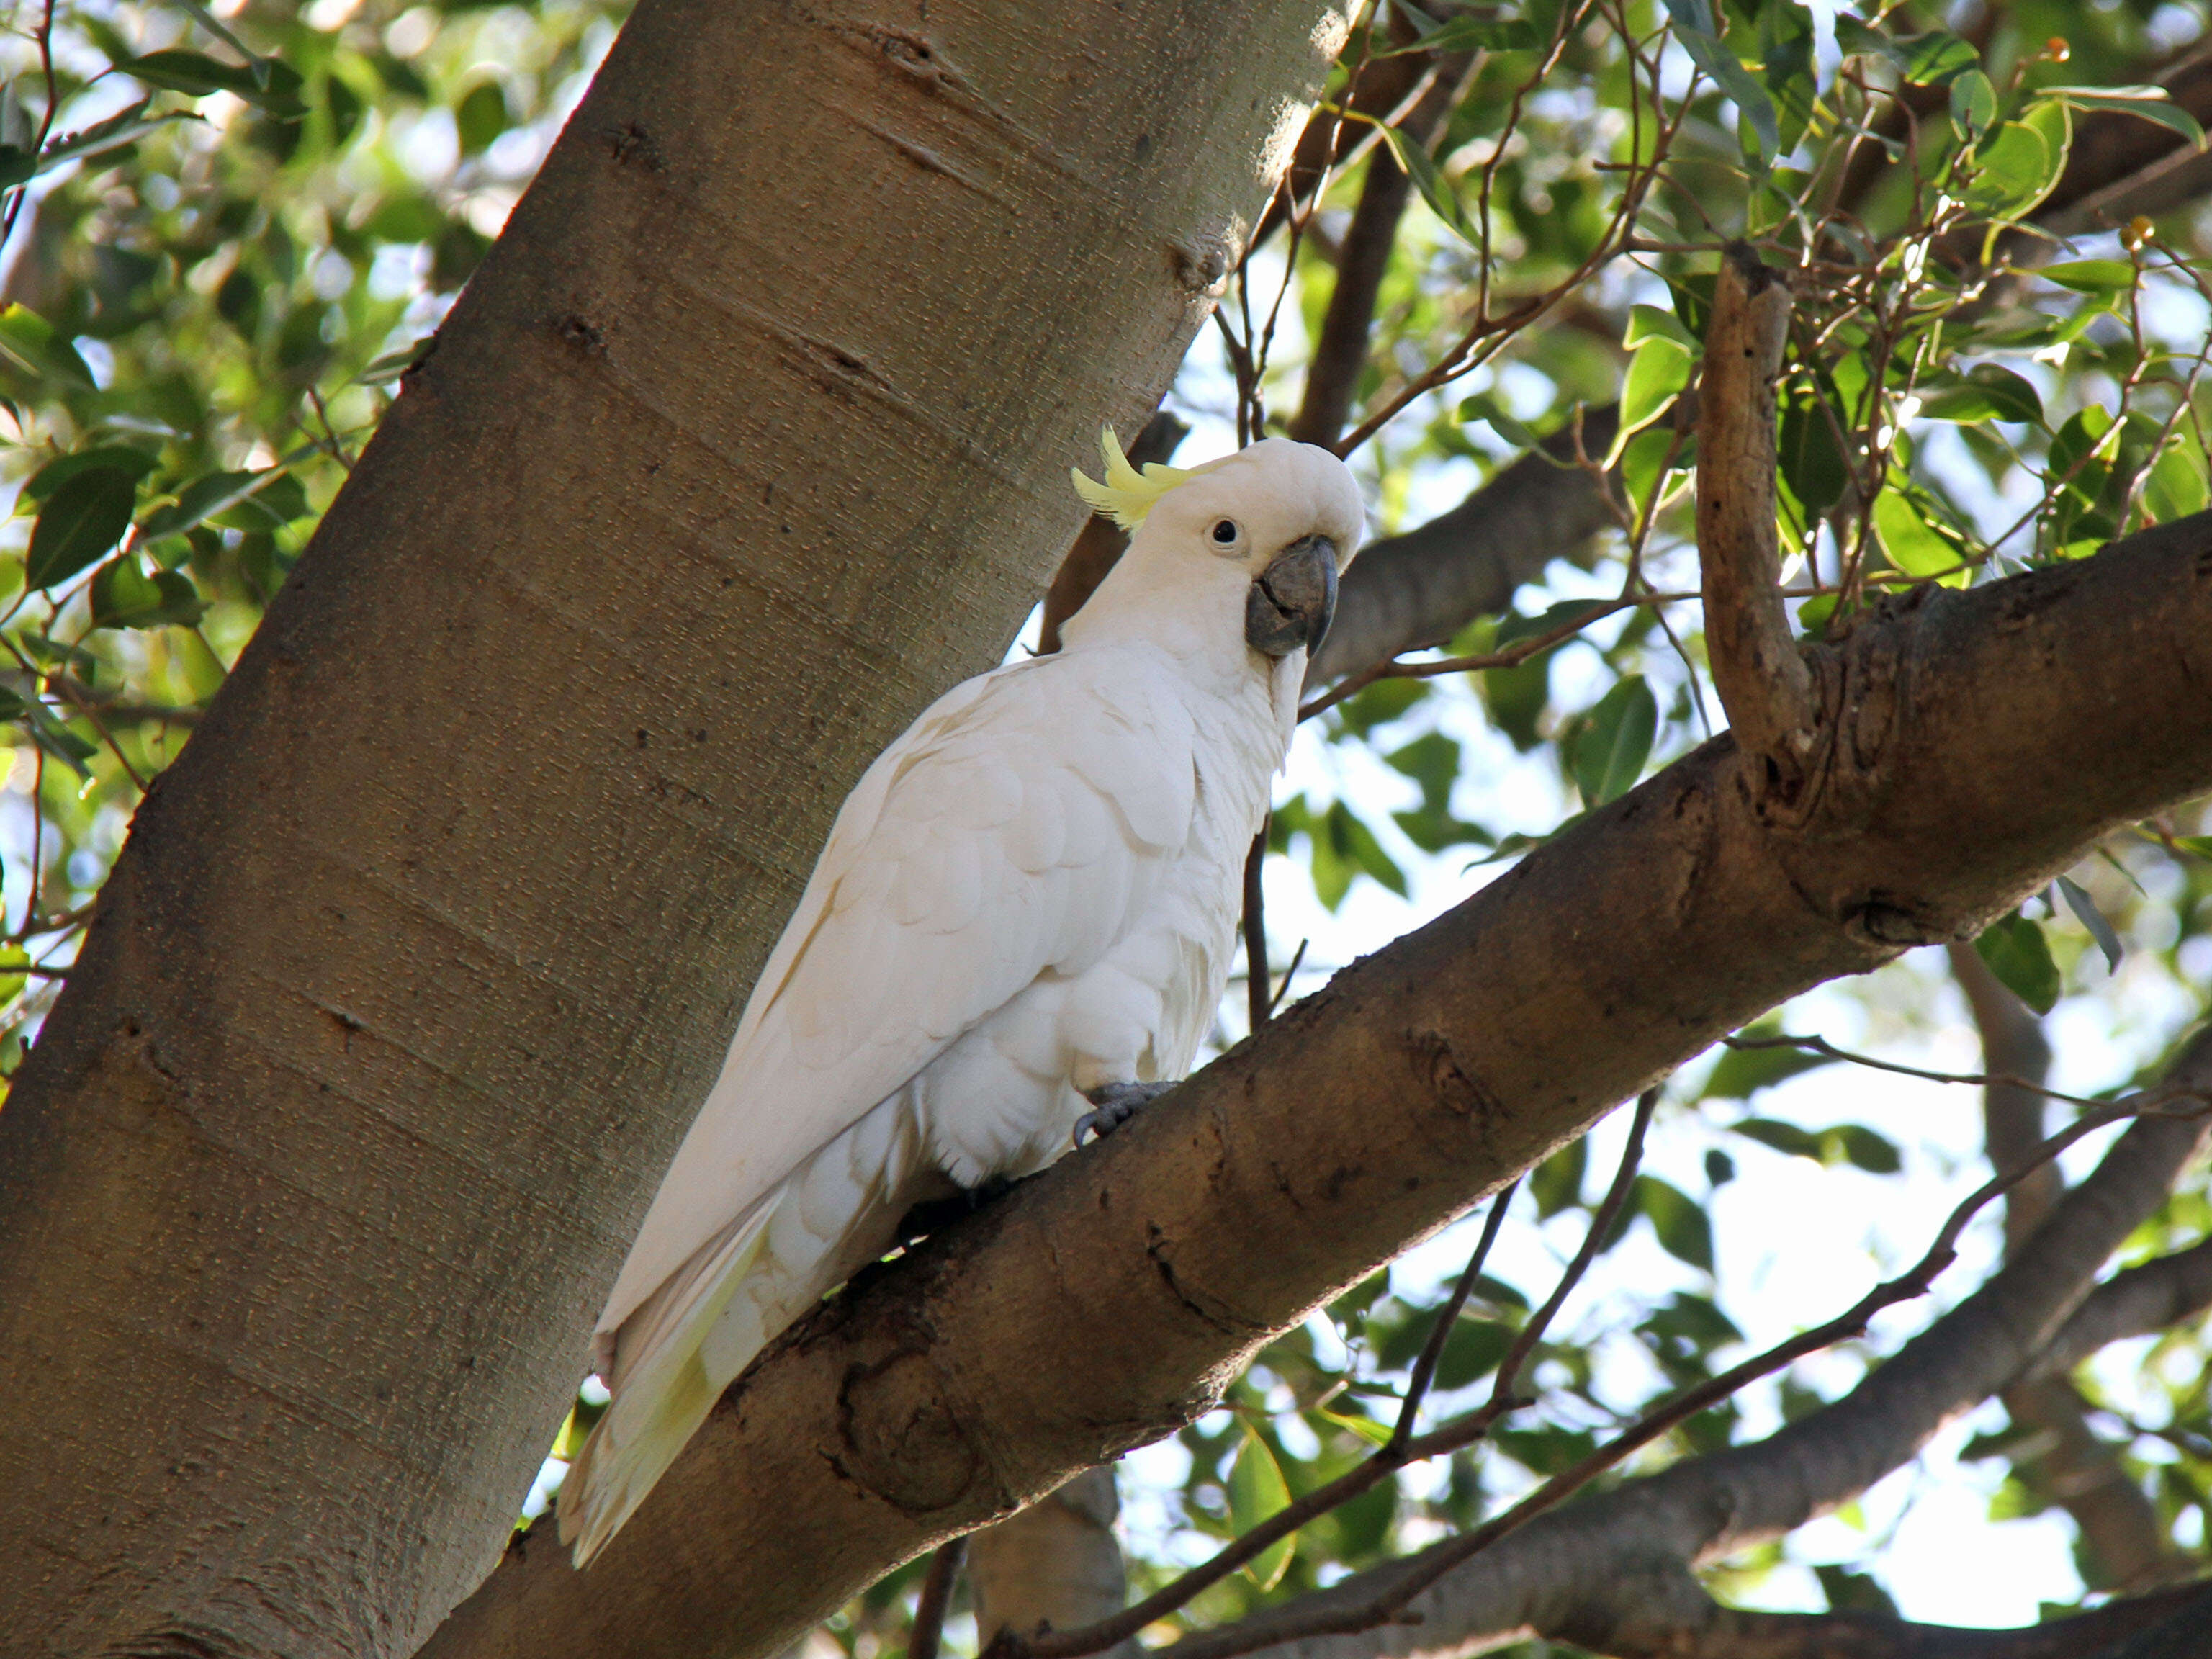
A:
(1018, 931)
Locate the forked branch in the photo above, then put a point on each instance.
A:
(1763, 682)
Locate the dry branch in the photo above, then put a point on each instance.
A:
(1762, 680)
(1107, 1302)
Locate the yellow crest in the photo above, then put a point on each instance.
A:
(1127, 494)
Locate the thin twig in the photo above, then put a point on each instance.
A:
(1424, 1367)
(1977, 1079)
(1257, 1001)
(936, 1596)
(45, 36)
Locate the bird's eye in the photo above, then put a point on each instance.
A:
(1225, 531)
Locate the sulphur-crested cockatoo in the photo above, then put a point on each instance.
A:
(1019, 929)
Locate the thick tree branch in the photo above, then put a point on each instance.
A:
(2141, 1302)
(1611, 1572)
(1763, 682)
(1107, 1302)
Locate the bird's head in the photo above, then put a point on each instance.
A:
(1274, 524)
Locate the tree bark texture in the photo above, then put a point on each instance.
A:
(749, 438)
(1968, 746)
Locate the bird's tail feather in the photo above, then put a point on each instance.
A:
(661, 1386)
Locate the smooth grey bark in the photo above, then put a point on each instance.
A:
(1107, 1301)
(750, 437)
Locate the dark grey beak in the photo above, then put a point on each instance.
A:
(1291, 602)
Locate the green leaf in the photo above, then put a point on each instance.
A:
(1484, 407)
(1985, 393)
(1355, 843)
(1417, 164)
(1374, 1433)
(57, 739)
(1656, 374)
(2086, 913)
(1678, 1219)
(1740, 1073)
(14, 960)
(134, 464)
(1693, 28)
(2017, 165)
(2018, 955)
(1472, 1350)
(1641, 459)
(1974, 104)
(125, 596)
(1862, 1148)
(1431, 761)
(480, 117)
(1616, 741)
(34, 343)
(1557, 1182)
(2177, 486)
(124, 127)
(1810, 458)
(1257, 1491)
(2091, 276)
(203, 498)
(1473, 34)
(1914, 545)
(1786, 1138)
(84, 517)
(1932, 59)
(1651, 323)
(393, 364)
(2152, 104)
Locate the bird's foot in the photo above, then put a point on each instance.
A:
(1117, 1103)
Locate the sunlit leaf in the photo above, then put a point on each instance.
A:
(2091, 276)
(1257, 1491)
(1913, 545)
(2152, 104)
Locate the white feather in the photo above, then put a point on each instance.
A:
(1032, 892)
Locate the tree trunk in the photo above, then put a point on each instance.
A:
(749, 438)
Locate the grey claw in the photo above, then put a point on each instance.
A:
(1117, 1103)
